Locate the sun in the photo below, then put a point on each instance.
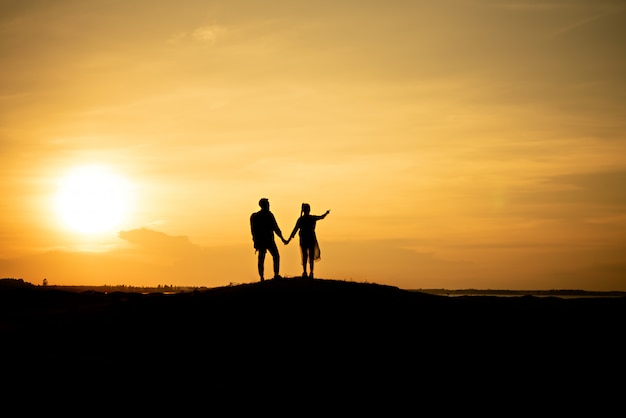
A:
(92, 199)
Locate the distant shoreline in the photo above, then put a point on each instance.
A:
(504, 292)
(439, 292)
(563, 293)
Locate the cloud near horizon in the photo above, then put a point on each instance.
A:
(157, 258)
(159, 242)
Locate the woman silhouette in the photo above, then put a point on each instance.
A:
(308, 240)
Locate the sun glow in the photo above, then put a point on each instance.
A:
(92, 199)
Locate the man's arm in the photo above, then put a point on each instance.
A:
(277, 229)
(252, 220)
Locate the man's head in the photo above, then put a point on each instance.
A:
(264, 203)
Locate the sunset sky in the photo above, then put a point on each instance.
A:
(457, 143)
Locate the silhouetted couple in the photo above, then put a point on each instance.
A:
(263, 226)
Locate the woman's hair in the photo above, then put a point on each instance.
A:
(305, 208)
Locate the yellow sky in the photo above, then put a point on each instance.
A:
(458, 144)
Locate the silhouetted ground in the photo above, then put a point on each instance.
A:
(315, 335)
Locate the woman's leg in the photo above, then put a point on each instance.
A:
(303, 251)
(311, 262)
(308, 258)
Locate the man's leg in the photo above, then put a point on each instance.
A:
(261, 263)
(276, 257)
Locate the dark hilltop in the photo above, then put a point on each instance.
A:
(296, 330)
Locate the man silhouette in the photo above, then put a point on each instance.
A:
(263, 226)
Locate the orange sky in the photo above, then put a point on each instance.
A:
(458, 144)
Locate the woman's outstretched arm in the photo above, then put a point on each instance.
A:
(322, 216)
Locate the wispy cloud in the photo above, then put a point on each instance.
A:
(578, 24)
(208, 33)
(538, 5)
(591, 11)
